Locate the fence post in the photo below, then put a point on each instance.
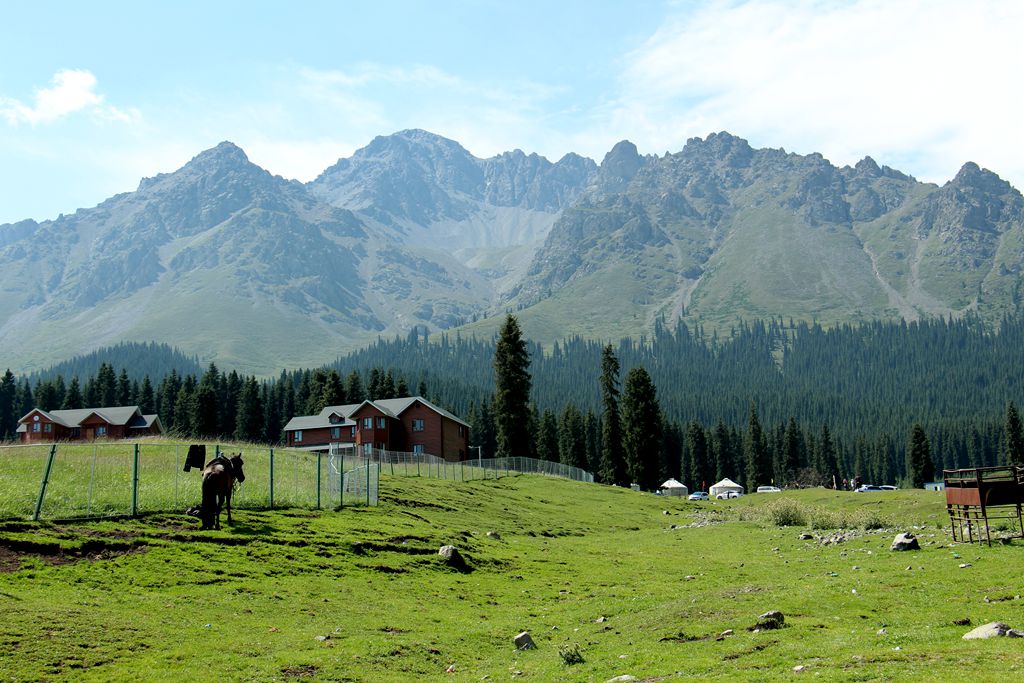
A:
(318, 454)
(42, 486)
(135, 481)
(417, 456)
(216, 451)
(271, 477)
(368, 466)
(341, 485)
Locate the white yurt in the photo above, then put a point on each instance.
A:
(724, 486)
(674, 488)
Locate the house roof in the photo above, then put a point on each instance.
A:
(128, 416)
(315, 422)
(673, 484)
(392, 407)
(115, 415)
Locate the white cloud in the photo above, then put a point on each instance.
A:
(71, 90)
(927, 84)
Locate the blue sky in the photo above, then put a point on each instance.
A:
(94, 96)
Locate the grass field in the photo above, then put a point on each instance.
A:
(360, 595)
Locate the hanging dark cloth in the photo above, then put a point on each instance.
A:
(196, 457)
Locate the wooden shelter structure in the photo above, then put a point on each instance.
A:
(976, 496)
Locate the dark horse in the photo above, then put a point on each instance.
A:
(219, 477)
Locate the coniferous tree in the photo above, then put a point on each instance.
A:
(205, 418)
(827, 458)
(73, 396)
(1014, 436)
(920, 468)
(8, 418)
(373, 387)
(124, 389)
(402, 388)
(249, 418)
(547, 437)
(791, 453)
(354, 391)
(421, 389)
(147, 401)
(333, 393)
(46, 396)
(755, 451)
(183, 407)
(592, 424)
(512, 391)
(697, 446)
(725, 453)
(641, 429)
(387, 386)
(613, 464)
(572, 444)
(106, 387)
(483, 431)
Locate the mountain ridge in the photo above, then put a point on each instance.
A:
(231, 263)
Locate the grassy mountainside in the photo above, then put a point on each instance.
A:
(637, 584)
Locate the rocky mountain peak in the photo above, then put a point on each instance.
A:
(868, 167)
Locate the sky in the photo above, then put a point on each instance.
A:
(95, 96)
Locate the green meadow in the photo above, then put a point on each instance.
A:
(608, 582)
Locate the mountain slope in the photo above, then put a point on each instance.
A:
(230, 263)
(722, 231)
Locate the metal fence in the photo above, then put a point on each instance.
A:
(426, 465)
(117, 478)
(103, 479)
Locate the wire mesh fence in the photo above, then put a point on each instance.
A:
(116, 478)
(104, 479)
(425, 465)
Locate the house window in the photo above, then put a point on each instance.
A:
(298, 435)
(367, 423)
(417, 425)
(101, 431)
(381, 423)
(336, 432)
(367, 449)
(353, 432)
(417, 448)
(35, 426)
(462, 430)
(47, 427)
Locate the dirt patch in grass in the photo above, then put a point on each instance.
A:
(13, 551)
(407, 503)
(750, 650)
(305, 671)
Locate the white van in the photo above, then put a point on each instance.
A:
(769, 489)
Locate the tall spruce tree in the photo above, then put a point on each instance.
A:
(613, 464)
(1014, 436)
(249, 418)
(547, 437)
(73, 396)
(697, 446)
(572, 438)
(641, 429)
(755, 451)
(8, 418)
(511, 391)
(920, 468)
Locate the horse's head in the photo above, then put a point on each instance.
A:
(236, 466)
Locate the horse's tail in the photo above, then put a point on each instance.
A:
(208, 509)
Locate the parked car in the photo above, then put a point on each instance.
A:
(699, 495)
(868, 487)
(728, 494)
(888, 487)
(769, 489)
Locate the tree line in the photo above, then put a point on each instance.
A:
(854, 391)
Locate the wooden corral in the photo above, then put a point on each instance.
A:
(976, 496)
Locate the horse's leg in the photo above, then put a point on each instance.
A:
(227, 502)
